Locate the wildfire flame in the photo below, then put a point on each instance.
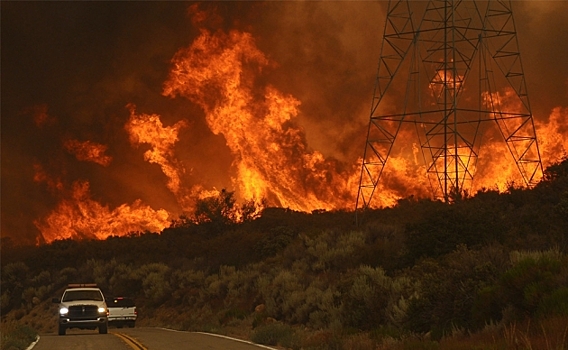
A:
(148, 129)
(79, 217)
(552, 136)
(271, 156)
(88, 151)
(444, 79)
(496, 169)
(219, 72)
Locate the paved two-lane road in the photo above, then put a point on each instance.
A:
(142, 338)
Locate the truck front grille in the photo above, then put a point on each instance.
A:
(83, 312)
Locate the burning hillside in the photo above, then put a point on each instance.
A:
(227, 114)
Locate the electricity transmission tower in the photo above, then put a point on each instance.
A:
(446, 69)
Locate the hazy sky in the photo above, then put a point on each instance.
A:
(69, 69)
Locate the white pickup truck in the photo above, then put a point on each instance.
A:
(82, 306)
(121, 312)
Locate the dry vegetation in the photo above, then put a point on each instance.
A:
(487, 272)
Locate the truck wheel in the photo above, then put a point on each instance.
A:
(103, 329)
(61, 330)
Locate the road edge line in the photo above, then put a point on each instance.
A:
(31, 346)
(222, 336)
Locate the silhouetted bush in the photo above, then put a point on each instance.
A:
(14, 281)
(536, 281)
(155, 282)
(275, 241)
(472, 223)
(449, 288)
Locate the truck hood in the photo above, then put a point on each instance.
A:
(83, 302)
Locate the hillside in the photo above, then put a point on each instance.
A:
(485, 269)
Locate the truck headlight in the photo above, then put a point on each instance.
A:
(102, 310)
(63, 311)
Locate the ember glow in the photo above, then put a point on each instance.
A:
(257, 98)
(88, 151)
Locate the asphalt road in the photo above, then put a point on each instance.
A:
(80, 339)
(144, 338)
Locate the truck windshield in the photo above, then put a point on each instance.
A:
(72, 295)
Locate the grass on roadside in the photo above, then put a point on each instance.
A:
(547, 334)
(16, 336)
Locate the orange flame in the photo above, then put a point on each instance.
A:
(41, 176)
(88, 151)
(272, 158)
(553, 136)
(79, 217)
(497, 170)
(445, 79)
(148, 129)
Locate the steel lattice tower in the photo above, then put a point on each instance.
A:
(444, 68)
